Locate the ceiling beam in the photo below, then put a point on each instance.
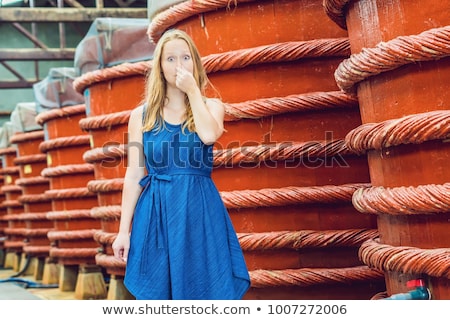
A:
(31, 54)
(20, 84)
(68, 14)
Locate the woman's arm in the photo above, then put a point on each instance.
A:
(131, 188)
(208, 116)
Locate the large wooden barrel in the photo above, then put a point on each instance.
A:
(400, 70)
(282, 166)
(111, 93)
(36, 204)
(15, 237)
(73, 241)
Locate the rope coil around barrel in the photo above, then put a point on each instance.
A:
(35, 250)
(33, 198)
(73, 252)
(280, 151)
(69, 214)
(70, 193)
(410, 260)
(9, 150)
(107, 153)
(63, 142)
(105, 121)
(10, 188)
(289, 195)
(312, 101)
(108, 261)
(32, 181)
(105, 185)
(181, 11)
(10, 170)
(111, 212)
(26, 136)
(36, 232)
(11, 204)
(56, 235)
(305, 239)
(415, 128)
(335, 10)
(287, 51)
(28, 159)
(31, 216)
(72, 169)
(423, 199)
(311, 277)
(429, 45)
(120, 71)
(56, 113)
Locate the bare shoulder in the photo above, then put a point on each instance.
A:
(136, 115)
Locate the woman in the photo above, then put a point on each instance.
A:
(175, 233)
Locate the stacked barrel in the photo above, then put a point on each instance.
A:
(400, 70)
(283, 168)
(111, 93)
(14, 241)
(73, 245)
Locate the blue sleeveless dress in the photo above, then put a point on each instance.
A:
(182, 245)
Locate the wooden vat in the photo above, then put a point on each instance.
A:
(400, 70)
(35, 203)
(74, 247)
(282, 167)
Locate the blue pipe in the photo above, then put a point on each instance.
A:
(420, 292)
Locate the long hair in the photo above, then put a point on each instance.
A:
(156, 87)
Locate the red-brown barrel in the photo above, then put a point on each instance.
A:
(282, 165)
(400, 70)
(36, 204)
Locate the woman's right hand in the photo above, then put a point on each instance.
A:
(121, 246)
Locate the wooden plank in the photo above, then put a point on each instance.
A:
(17, 84)
(31, 54)
(68, 14)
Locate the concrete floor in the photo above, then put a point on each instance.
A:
(15, 290)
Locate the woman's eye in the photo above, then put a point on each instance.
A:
(187, 57)
(170, 59)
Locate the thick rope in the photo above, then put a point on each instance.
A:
(105, 185)
(107, 153)
(26, 136)
(312, 101)
(73, 253)
(63, 142)
(410, 260)
(414, 128)
(105, 121)
(71, 193)
(335, 9)
(56, 235)
(429, 45)
(308, 276)
(184, 10)
(304, 239)
(69, 214)
(10, 170)
(423, 199)
(32, 158)
(36, 250)
(32, 181)
(270, 197)
(33, 198)
(31, 216)
(9, 150)
(71, 169)
(280, 151)
(111, 212)
(57, 113)
(123, 70)
(287, 51)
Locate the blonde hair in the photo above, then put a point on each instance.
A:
(155, 84)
